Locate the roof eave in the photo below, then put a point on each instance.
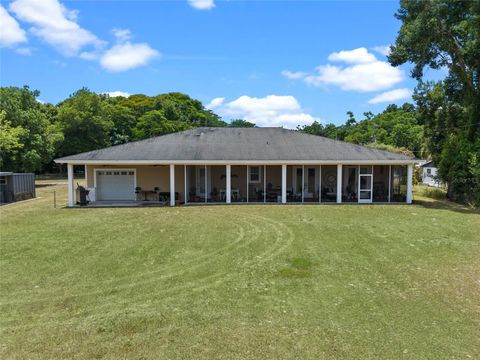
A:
(237, 162)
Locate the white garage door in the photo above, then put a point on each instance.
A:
(115, 185)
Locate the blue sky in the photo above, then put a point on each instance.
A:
(276, 63)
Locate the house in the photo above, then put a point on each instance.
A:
(16, 186)
(242, 165)
(429, 174)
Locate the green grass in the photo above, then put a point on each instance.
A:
(239, 282)
(431, 192)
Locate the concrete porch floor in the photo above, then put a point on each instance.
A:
(123, 203)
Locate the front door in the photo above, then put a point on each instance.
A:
(365, 184)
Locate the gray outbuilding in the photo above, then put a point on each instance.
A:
(16, 186)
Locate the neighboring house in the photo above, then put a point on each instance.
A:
(242, 165)
(16, 186)
(429, 174)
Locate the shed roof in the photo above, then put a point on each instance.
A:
(237, 144)
(430, 163)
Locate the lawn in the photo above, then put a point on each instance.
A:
(239, 282)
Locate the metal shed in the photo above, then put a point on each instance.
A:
(16, 186)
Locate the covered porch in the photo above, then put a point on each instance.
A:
(174, 184)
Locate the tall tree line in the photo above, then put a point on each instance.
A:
(33, 133)
(444, 34)
(398, 129)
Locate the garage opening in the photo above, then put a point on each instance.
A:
(115, 184)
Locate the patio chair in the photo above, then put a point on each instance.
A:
(138, 190)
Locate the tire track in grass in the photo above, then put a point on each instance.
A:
(177, 270)
(129, 286)
(181, 266)
(206, 282)
(263, 257)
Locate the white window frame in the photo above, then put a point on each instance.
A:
(259, 174)
(360, 175)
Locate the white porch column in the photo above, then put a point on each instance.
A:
(172, 185)
(71, 200)
(339, 183)
(284, 184)
(228, 190)
(409, 183)
(185, 200)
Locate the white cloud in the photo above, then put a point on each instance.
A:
(293, 75)
(271, 110)
(117, 93)
(89, 55)
(356, 56)
(202, 4)
(122, 35)
(384, 50)
(10, 31)
(55, 24)
(362, 72)
(215, 103)
(24, 51)
(122, 57)
(374, 76)
(391, 96)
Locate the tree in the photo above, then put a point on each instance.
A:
(10, 139)
(155, 123)
(446, 34)
(29, 139)
(239, 123)
(124, 121)
(85, 118)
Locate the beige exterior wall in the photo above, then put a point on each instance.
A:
(147, 177)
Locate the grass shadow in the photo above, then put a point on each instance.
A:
(429, 203)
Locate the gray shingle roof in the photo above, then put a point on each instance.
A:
(237, 144)
(430, 163)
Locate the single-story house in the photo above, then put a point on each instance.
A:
(16, 186)
(242, 165)
(429, 174)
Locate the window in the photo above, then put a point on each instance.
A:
(311, 180)
(429, 171)
(254, 174)
(3, 180)
(299, 174)
(202, 179)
